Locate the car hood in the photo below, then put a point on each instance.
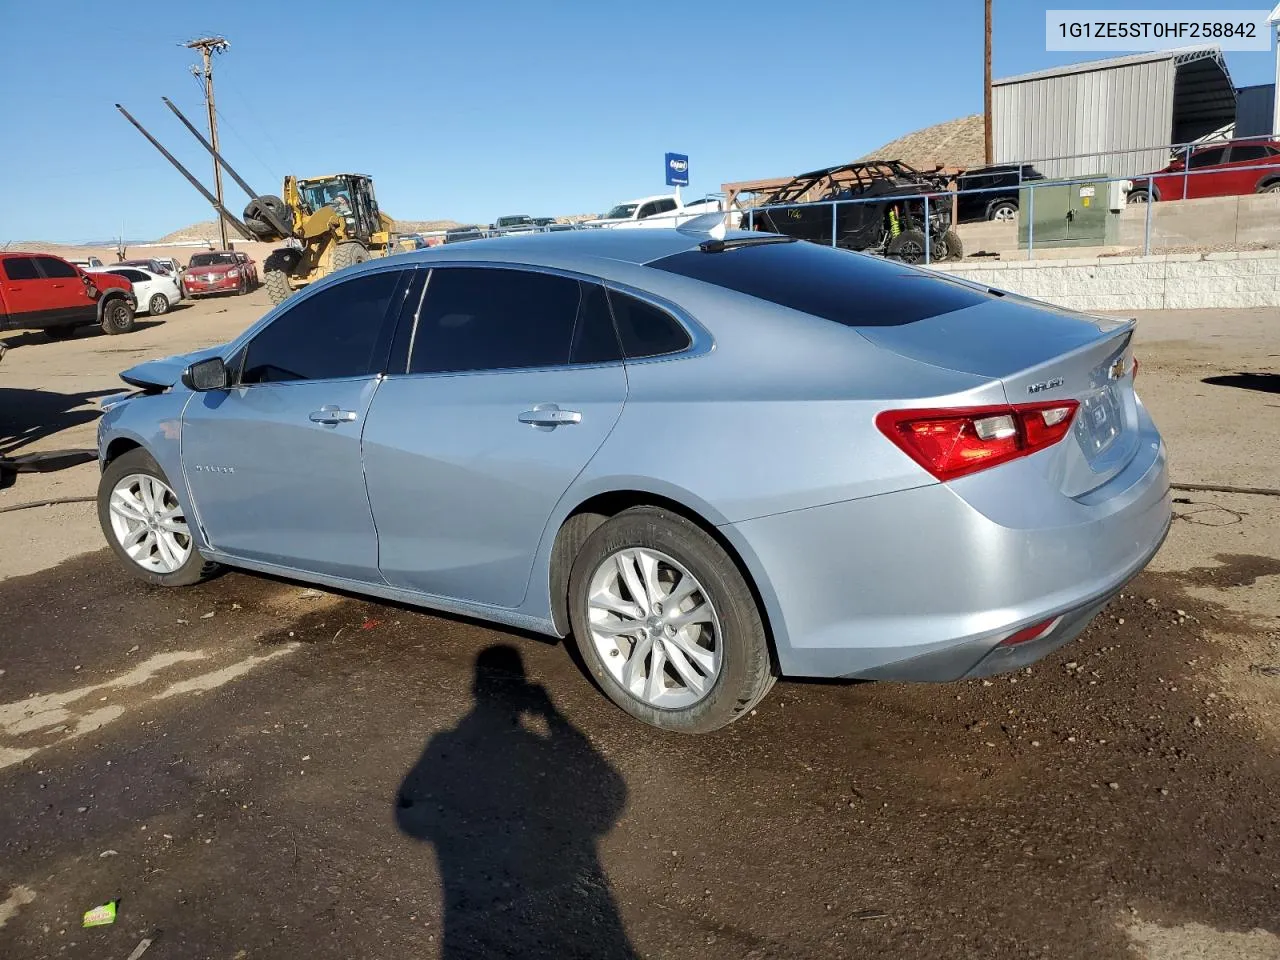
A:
(166, 371)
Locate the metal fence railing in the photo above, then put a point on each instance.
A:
(1160, 189)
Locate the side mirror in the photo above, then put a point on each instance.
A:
(208, 374)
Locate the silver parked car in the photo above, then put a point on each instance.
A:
(711, 460)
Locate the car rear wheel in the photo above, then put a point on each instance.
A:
(1003, 210)
(908, 246)
(1270, 187)
(666, 624)
(145, 524)
(117, 316)
(158, 305)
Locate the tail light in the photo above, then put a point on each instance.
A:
(953, 443)
(1033, 632)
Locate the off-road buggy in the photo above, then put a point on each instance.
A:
(889, 221)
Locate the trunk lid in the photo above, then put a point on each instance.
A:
(1041, 354)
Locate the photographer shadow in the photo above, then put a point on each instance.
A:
(514, 800)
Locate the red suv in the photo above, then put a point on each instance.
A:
(42, 292)
(1223, 170)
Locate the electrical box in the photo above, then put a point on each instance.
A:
(1084, 212)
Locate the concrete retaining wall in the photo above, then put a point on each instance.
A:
(1159, 282)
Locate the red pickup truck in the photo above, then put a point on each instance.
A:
(39, 291)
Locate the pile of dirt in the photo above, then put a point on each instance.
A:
(955, 143)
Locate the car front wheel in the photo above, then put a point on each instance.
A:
(666, 623)
(145, 524)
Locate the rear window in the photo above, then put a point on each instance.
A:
(848, 288)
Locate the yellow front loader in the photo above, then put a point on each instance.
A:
(328, 223)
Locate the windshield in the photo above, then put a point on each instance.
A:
(212, 259)
(326, 193)
(519, 221)
(622, 211)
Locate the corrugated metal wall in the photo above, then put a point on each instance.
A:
(1121, 108)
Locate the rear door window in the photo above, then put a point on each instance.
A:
(55, 269)
(493, 318)
(594, 337)
(1249, 151)
(21, 268)
(849, 288)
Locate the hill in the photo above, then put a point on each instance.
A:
(954, 143)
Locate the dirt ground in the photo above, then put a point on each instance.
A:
(255, 769)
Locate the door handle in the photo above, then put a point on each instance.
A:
(58, 286)
(549, 415)
(332, 416)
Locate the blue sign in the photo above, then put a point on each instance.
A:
(677, 170)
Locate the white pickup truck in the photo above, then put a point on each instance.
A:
(665, 210)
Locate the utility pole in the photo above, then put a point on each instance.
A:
(986, 91)
(208, 46)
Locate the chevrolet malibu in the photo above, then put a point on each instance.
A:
(712, 460)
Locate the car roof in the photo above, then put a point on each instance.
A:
(566, 249)
(656, 196)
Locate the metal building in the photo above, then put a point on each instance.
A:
(1100, 106)
(1254, 107)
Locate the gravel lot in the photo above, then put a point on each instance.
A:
(256, 769)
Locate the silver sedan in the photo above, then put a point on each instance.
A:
(712, 460)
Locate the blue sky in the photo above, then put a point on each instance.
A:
(471, 110)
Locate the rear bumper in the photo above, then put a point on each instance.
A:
(924, 584)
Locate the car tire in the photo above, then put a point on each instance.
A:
(1272, 187)
(732, 669)
(1138, 196)
(349, 254)
(1003, 210)
(158, 305)
(117, 316)
(60, 333)
(122, 523)
(908, 246)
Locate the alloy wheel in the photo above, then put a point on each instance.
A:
(149, 524)
(654, 628)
